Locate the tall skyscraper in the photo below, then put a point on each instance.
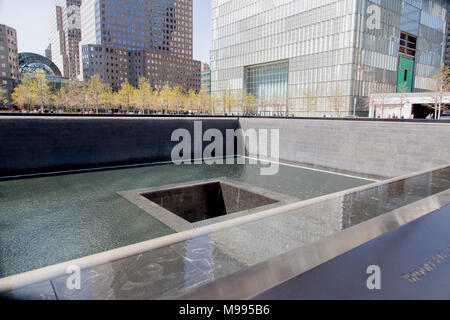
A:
(9, 59)
(447, 49)
(66, 37)
(48, 52)
(311, 58)
(127, 39)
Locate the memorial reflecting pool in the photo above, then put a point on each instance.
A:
(48, 220)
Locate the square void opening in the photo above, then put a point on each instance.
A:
(200, 202)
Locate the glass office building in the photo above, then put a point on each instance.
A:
(206, 78)
(315, 58)
(268, 83)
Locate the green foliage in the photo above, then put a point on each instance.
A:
(228, 100)
(250, 104)
(75, 96)
(310, 100)
(22, 95)
(33, 92)
(95, 91)
(125, 96)
(144, 94)
(40, 89)
(4, 101)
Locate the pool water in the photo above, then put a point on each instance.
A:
(52, 219)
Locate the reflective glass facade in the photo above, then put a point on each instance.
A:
(206, 78)
(410, 19)
(337, 50)
(268, 83)
(31, 62)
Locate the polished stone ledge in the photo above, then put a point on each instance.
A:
(254, 281)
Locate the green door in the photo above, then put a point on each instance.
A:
(405, 73)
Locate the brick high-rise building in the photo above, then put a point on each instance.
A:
(66, 37)
(9, 58)
(125, 40)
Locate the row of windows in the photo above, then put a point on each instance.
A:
(166, 27)
(310, 33)
(9, 32)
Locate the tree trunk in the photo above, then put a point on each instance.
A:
(440, 109)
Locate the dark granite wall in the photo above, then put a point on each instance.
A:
(49, 144)
(380, 148)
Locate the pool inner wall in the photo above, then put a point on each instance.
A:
(49, 144)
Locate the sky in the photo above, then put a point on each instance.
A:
(31, 19)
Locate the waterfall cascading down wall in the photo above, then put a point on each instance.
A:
(381, 148)
(51, 144)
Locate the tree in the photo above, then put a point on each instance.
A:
(125, 95)
(164, 96)
(4, 101)
(402, 89)
(228, 100)
(155, 100)
(238, 105)
(439, 87)
(144, 94)
(22, 95)
(193, 100)
(311, 101)
(336, 100)
(215, 100)
(382, 89)
(61, 98)
(107, 97)
(76, 93)
(205, 101)
(40, 89)
(250, 104)
(262, 102)
(277, 103)
(95, 90)
(180, 98)
(172, 100)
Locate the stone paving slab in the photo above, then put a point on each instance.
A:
(416, 266)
